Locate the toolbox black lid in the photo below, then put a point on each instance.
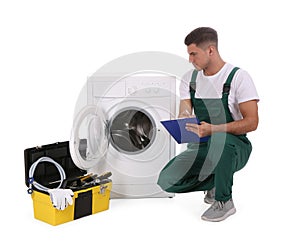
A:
(46, 172)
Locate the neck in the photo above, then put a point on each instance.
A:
(214, 67)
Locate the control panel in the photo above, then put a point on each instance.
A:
(149, 86)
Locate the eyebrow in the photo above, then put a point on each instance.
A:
(192, 53)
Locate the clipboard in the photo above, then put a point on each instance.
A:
(177, 130)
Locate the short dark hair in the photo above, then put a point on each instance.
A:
(202, 35)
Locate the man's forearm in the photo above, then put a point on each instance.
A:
(237, 127)
(185, 108)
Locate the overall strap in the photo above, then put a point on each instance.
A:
(225, 95)
(226, 86)
(193, 81)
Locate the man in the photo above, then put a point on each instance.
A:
(224, 99)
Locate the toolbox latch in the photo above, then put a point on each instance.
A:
(102, 189)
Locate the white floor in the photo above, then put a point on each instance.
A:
(161, 221)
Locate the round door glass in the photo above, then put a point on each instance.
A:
(131, 131)
(89, 142)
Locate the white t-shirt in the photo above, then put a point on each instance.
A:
(210, 87)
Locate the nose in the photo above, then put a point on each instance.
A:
(191, 59)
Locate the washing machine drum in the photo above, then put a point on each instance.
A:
(89, 138)
(131, 131)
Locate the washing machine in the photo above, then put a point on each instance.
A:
(119, 130)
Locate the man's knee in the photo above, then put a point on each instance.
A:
(170, 176)
(162, 181)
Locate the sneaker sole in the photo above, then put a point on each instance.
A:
(230, 212)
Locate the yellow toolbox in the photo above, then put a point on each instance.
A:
(86, 201)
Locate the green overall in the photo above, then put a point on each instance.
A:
(208, 164)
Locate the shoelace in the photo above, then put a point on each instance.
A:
(218, 205)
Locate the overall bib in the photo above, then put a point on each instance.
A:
(208, 164)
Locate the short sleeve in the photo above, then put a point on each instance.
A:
(184, 87)
(245, 88)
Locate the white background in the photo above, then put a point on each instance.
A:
(49, 48)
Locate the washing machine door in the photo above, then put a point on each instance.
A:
(89, 137)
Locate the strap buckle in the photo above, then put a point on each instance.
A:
(192, 87)
(226, 88)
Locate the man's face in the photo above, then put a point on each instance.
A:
(198, 57)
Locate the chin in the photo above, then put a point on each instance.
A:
(197, 68)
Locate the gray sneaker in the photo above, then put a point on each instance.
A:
(210, 196)
(219, 211)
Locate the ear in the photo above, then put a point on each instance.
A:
(211, 50)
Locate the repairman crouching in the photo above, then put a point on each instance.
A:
(224, 99)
